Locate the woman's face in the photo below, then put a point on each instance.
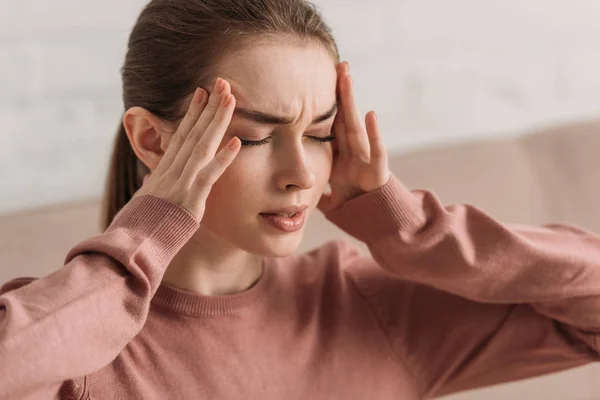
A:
(291, 168)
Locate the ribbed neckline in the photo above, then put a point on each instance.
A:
(186, 302)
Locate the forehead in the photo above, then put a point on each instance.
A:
(286, 79)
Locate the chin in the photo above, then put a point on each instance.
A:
(282, 246)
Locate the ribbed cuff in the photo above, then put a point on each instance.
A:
(163, 225)
(374, 215)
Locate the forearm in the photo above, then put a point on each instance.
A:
(78, 319)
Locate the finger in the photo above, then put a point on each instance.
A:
(339, 130)
(207, 146)
(193, 112)
(378, 149)
(215, 169)
(339, 125)
(341, 70)
(324, 204)
(199, 128)
(355, 131)
(222, 90)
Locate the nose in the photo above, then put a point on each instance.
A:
(294, 169)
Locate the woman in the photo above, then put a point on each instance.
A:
(192, 292)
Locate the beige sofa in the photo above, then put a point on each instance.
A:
(552, 175)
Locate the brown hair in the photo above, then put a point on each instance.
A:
(176, 46)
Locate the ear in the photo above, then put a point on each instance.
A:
(146, 133)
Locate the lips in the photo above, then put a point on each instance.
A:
(287, 211)
(289, 215)
(285, 224)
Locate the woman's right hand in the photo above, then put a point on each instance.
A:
(189, 167)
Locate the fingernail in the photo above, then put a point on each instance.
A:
(233, 144)
(226, 100)
(221, 86)
(198, 95)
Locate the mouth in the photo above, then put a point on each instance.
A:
(288, 215)
(287, 222)
(287, 212)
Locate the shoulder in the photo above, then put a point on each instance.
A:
(343, 262)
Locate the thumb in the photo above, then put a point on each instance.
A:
(325, 203)
(145, 178)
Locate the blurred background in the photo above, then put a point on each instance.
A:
(436, 71)
(458, 86)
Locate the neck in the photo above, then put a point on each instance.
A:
(207, 266)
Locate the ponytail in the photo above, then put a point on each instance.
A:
(123, 178)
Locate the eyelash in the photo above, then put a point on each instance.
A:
(265, 141)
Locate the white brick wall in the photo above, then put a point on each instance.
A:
(434, 70)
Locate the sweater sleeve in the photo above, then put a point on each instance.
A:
(467, 301)
(77, 319)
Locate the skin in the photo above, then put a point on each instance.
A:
(300, 82)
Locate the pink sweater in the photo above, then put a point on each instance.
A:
(451, 300)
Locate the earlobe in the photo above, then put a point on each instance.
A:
(143, 130)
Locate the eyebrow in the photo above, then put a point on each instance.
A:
(268, 119)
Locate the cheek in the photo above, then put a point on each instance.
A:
(236, 185)
(246, 178)
(324, 163)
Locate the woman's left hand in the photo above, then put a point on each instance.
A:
(360, 160)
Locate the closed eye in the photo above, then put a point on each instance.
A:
(267, 140)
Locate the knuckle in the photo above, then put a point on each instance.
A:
(212, 107)
(222, 157)
(177, 139)
(169, 176)
(201, 151)
(360, 158)
(203, 180)
(221, 118)
(191, 134)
